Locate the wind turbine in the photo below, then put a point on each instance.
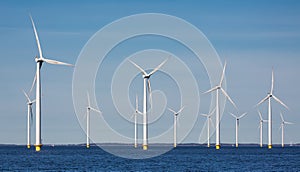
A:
(269, 97)
(283, 122)
(217, 88)
(136, 112)
(175, 124)
(146, 77)
(237, 124)
(208, 121)
(29, 117)
(39, 61)
(261, 121)
(88, 109)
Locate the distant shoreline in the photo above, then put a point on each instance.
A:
(163, 144)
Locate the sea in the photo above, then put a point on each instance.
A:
(182, 158)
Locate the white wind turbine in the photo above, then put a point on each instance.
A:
(39, 61)
(29, 117)
(208, 122)
(88, 111)
(146, 77)
(283, 122)
(261, 121)
(136, 113)
(217, 88)
(175, 124)
(237, 124)
(269, 97)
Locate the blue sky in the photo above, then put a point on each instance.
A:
(253, 37)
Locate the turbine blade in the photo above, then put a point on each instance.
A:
(279, 101)
(36, 38)
(136, 103)
(132, 115)
(56, 62)
(96, 110)
(272, 86)
(27, 97)
(281, 126)
(33, 83)
(204, 115)
(159, 66)
(243, 115)
(288, 122)
(172, 110)
(226, 95)
(223, 73)
(281, 117)
(210, 90)
(139, 112)
(150, 92)
(212, 111)
(88, 97)
(137, 66)
(264, 99)
(31, 115)
(260, 116)
(180, 110)
(233, 115)
(212, 123)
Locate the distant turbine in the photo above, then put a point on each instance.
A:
(283, 122)
(268, 97)
(261, 121)
(29, 117)
(39, 61)
(237, 124)
(175, 124)
(88, 109)
(217, 88)
(136, 112)
(146, 77)
(208, 121)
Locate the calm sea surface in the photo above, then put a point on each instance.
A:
(187, 158)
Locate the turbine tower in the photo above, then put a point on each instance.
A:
(208, 121)
(283, 122)
(136, 112)
(39, 61)
(269, 97)
(29, 117)
(175, 124)
(261, 121)
(88, 111)
(146, 77)
(217, 88)
(237, 124)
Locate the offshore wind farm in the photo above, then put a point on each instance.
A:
(155, 86)
(147, 102)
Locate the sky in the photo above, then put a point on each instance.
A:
(252, 36)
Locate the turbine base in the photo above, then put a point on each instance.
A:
(236, 145)
(87, 146)
(218, 147)
(28, 146)
(269, 146)
(145, 147)
(38, 148)
(135, 145)
(175, 145)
